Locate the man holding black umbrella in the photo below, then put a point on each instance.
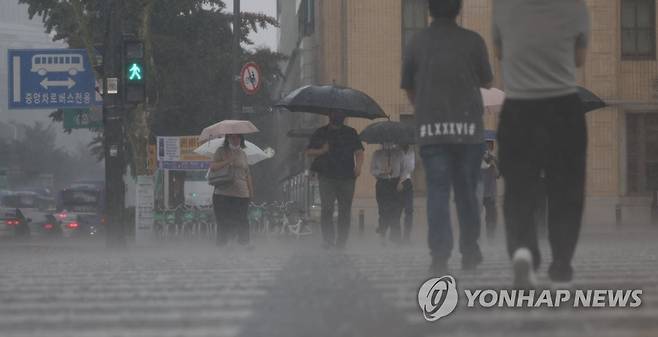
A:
(338, 159)
(443, 70)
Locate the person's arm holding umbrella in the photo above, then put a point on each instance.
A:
(358, 153)
(318, 144)
(221, 160)
(316, 152)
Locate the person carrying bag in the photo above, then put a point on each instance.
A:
(229, 174)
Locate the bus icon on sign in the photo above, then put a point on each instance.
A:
(42, 64)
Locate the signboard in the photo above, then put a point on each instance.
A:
(250, 78)
(151, 159)
(177, 153)
(50, 78)
(83, 118)
(144, 204)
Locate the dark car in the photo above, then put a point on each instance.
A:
(30, 215)
(14, 223)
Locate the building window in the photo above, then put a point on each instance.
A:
(642, 153)
(306, 17)
(414, 18)
(638, 29)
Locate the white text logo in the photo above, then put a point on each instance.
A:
(437, 297)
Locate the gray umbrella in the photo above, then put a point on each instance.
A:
(388, 132)
(329, 98)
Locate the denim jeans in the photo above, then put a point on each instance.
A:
(453, 166)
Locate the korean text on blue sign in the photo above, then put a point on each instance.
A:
(51, 78)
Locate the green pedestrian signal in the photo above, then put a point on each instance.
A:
(135, 72)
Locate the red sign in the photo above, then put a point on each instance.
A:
(250, 78)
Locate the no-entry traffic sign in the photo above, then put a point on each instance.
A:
(250, 78)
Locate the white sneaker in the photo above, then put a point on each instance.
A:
(524, 274)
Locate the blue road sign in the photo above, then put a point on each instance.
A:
(51, 78)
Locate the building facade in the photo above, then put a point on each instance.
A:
(359, 44)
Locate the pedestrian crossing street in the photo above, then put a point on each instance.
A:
(297, 289)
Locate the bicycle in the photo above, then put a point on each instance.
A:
(300, 227)
(256, 217)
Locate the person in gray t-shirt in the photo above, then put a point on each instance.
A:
(443, 70)
(542, 127)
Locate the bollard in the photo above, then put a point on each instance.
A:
(362, 220)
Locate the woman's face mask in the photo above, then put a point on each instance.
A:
(234, 142)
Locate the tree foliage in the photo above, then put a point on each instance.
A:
(188, 49)
(35, 153)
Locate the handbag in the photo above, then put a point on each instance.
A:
(222, 177)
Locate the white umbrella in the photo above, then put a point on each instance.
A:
(493, 99)
(227, 127)
(254, 153)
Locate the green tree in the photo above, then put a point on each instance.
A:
(188, 54)
(36, 153)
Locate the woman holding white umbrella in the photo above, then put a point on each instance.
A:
(231, 198)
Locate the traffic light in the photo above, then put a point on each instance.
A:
(134, 72)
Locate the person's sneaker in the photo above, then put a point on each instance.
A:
(524, 274)
(438, 267)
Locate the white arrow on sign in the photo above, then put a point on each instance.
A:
(70, 83)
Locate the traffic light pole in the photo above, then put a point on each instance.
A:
(235, 69)
(113, 133)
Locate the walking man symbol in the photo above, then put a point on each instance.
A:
(135, 72)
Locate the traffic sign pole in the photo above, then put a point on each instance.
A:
(236, 60)
(113, 135)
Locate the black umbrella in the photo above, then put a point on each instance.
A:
(300, 133)
(388, 132)
(329, 98)
(590, 100)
